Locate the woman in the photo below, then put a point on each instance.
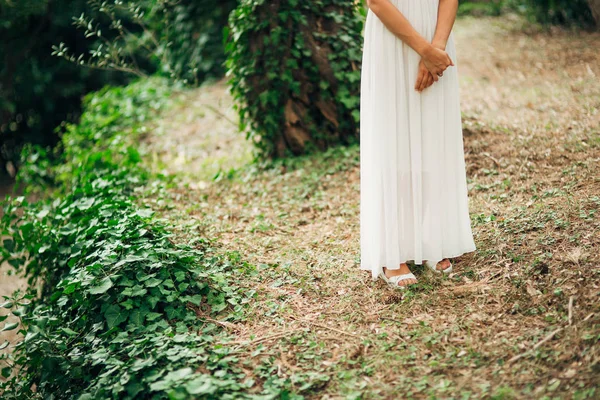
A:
(413, 201)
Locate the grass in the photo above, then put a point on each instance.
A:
(532, 144)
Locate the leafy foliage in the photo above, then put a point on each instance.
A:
(562, 12)
(179, 39)
(492, 7)
(557, 12)
(120, 308)
(294, 70)
(38, 91)
(195, 44)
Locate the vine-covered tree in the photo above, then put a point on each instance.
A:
(295, 72)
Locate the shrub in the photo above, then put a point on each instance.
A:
(38, 92)
(294, 71)
(121, 309)
(562, 12)
(491, 7)
(583, 13)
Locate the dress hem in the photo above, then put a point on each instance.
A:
(453, 255)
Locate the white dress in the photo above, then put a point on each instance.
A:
(413, 188)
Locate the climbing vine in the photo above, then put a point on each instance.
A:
(294, 71)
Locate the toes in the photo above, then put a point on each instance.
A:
(407, 282)
(442, 265)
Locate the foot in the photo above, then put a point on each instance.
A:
(442, 265)
(395, 272)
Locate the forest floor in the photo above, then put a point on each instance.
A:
(518, 318)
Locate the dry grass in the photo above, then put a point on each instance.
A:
(519, 317)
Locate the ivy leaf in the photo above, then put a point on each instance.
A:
(195, 299)
(69, 332)
(9, 245)
(137, 290)
(86, 204)
(144, 213)
(200, 385)
(180, 276)
(104, 285)
(10, 327)
(152, 282)
(152, 316)
(6, 371)
(137, 317)
(115, 315)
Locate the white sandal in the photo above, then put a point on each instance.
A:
(393, 281)
(433, 267)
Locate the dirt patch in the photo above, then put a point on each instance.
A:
(519, 318)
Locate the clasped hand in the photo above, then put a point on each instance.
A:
(431, 67)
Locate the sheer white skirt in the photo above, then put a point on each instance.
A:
(413, 188)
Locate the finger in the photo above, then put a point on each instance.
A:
(429, 80)
(419, 78)
(451, 62)
(424, 81)
(420, 82)
(424, 74)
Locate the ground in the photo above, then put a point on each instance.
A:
(518, 318)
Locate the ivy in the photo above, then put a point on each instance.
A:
(294, 71)
(121, 311)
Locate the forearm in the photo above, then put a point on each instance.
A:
(445, 21)
(397, 23)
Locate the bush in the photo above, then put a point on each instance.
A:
(193, 33)
(294, 70)
(490, 8)
(557, 12)
(38, 92)
(562, 12)
(121, 309)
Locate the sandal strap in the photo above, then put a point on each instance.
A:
(433, 266)
(397, 278)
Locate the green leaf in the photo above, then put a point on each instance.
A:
(9, 245)
(144, 213)
(86, 204)
(115, 315)
(103, 287)
(200, 385)
(137, 317)
(195, 299)
(153, 282)
(10, 327)
(152, 316)
(69, 332)
(134, 155)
